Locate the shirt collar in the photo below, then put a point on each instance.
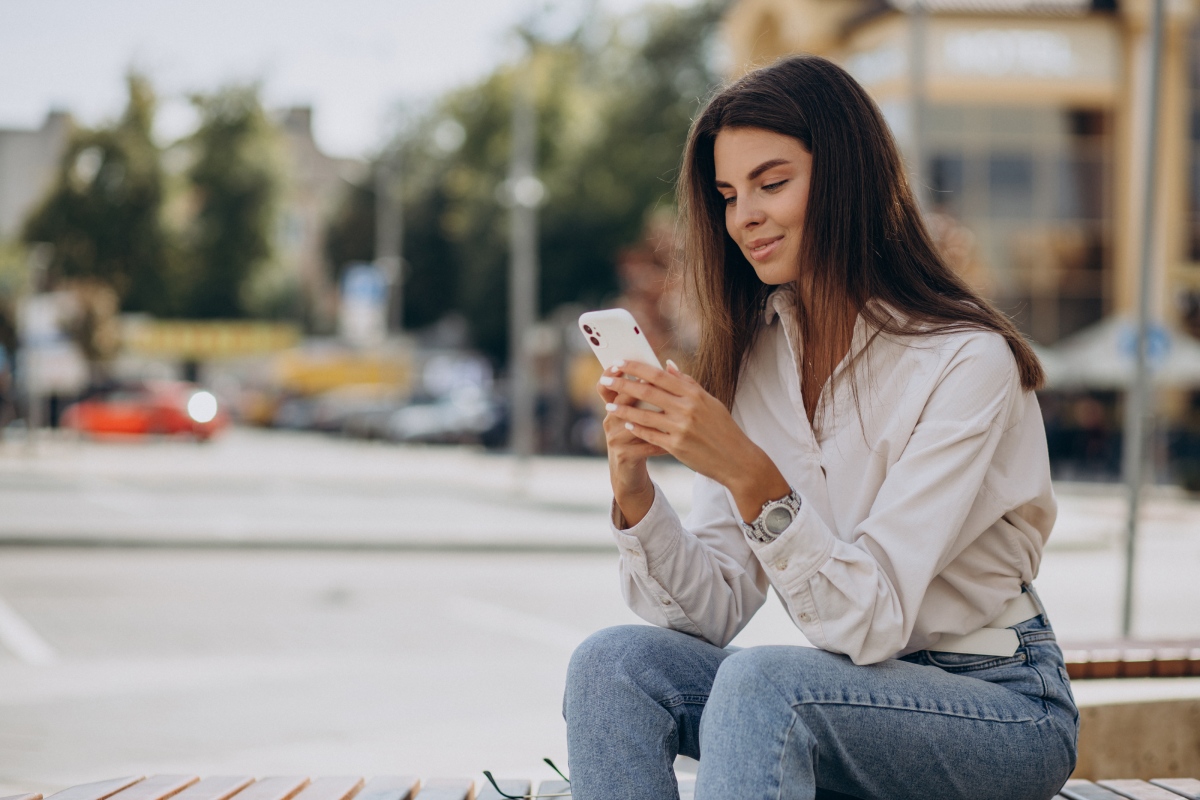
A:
(781, 303)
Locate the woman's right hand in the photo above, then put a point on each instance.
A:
(627, 456)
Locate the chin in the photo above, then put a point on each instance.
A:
(774, 277)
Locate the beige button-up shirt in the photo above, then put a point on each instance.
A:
(923, 510)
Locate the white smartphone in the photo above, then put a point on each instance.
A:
(614, 335)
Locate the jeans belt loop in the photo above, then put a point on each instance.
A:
(997, 637)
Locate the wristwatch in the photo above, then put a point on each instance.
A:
(774, 518)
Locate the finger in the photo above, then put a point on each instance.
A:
(635, 449)
(664, 379)
(673, 369)
(641, 390)
(624, 446)
(641, 416)
(650, 435)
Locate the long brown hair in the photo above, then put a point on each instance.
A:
(863, 237)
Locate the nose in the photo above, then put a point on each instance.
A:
(747, 214)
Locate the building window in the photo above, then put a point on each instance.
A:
(1031, 185)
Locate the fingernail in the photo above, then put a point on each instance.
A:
(620, 362)
(610, 406)
(606, 381)
(672, 365)
(628, 426)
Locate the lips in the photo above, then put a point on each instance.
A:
(761, 249)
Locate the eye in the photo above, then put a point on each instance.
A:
(729, 201)
(774, 187)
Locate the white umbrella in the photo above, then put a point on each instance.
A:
(1103, 356)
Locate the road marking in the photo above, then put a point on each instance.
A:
(530, 627)
(22, 640)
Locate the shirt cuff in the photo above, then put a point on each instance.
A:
(654, 538)
(800, 551)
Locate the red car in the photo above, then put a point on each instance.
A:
(153, 407)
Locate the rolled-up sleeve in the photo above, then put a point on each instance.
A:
(701, 577)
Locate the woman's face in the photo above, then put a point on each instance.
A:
(764, 178)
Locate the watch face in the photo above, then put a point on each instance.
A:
(777, 519)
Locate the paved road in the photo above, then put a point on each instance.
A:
(440, 652)
(277, 488)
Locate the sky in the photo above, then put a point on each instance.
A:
(355, 61)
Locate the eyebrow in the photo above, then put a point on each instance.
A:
(759, 170)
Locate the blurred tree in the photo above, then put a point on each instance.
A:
(93, 323)
(614, 104)
(103, 214)
(235, 181)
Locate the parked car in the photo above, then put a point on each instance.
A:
(152, 407)
(331, 411)
(467, 415)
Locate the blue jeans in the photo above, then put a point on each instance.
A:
(795, 722)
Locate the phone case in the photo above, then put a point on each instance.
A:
(614, 335)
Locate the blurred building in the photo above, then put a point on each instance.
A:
(28, 163)
(314, 185)
(1025, 120)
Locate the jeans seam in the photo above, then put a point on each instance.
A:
(959, 669)
(783, 753)
(957, 715)
(684, 699)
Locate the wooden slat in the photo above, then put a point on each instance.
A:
(31, 796)
(1086, 790)
(333, 788)
(555, 787)
(283, 787)
(1139, 790)
(96, 791)
(446, 789)
(217, 787)
(156, 787)
(389, 787)
(1184, 787)
(687, 789)
(515, 787)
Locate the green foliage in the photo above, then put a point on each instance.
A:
(104, 212)
(235, 180)
(613, 114)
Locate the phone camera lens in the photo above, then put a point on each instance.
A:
(594, 340)
(587, 329)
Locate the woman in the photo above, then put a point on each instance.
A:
(867, 443)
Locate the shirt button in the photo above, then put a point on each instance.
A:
(666, 601)
(781, 564)
(635, 553)
(805, 617)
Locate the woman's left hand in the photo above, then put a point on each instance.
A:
(697, 429)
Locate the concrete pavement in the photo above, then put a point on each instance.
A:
(441, 651)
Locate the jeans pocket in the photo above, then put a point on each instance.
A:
(969, 662)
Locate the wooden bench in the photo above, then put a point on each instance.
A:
(1132, 659)
(183, 787)
(1159, 789)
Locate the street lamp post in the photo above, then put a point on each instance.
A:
(918, 25)
(524, 193)
(1138, 397)
(389, 235)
